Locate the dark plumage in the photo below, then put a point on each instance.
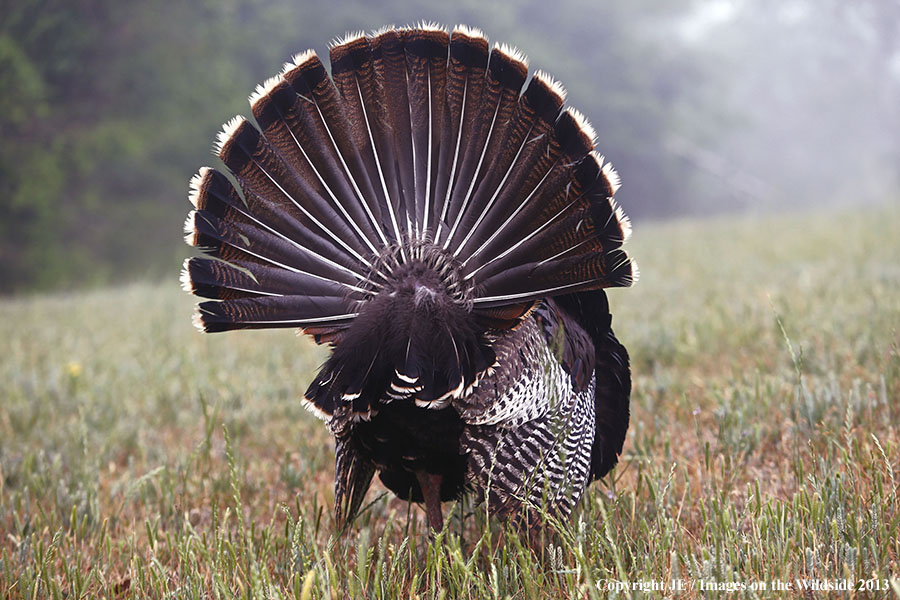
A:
(450, 236)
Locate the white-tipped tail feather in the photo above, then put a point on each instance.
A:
(298, 60)
(347, 38)
(623, 219)
(635, 272)
(311, 407)
(225, 134)
(195, 185)
(185, 277)
(583, 124)
(197, 321)
(264, 89)
(612, 176)
(430, 26)
(190, 231)
(512, 53)
(382, 30)
(554, 84)
(470, 32)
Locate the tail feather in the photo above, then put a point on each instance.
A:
(524, 156)
(360, 88)
(506, 73)
(389, 58)
(295, 311)
(311, 82)
(560, 276)
(420, 166)
(294, 129)
(262, 172)
(532, 250)
(564, 190)
(553, 196)
(465, 85)
(426, 58)
(227, 233)
(219, 280)
(584, 220)
(544, 156)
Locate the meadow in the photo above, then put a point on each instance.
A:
(141, 459)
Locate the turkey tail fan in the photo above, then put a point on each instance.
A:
(423, 147)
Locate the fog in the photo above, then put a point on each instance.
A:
(811, 91)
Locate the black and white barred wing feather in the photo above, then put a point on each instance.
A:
(532, 424)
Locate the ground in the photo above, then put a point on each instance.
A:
(139, 458)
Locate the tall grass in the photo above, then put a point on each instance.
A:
(141, 459)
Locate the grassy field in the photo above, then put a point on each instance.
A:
(140, 459)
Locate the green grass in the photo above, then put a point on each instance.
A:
(140, 459)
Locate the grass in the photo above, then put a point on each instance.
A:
(141, 459)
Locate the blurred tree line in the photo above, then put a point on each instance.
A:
(107, 108)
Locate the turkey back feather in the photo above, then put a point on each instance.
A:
(404, 209)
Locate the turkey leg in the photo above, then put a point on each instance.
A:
(430, 484)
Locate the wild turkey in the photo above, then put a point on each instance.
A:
(450, 236)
